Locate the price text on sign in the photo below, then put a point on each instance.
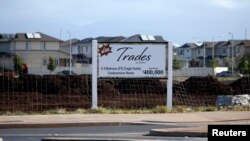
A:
(132, 60)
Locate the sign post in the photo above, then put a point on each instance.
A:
(170, 76)
(94, 74)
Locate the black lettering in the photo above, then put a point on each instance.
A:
(131, 58)
(140, 57)
(137, 58)
(144, 57)
(125, 49)
(149, 57)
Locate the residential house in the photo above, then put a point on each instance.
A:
(188, 51)
(35, 50)
(83, 51)
(6, 56)
(221, 49)
(65, 46)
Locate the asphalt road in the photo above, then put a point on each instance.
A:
(138, 132)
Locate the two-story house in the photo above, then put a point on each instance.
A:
(35, 50)
(82, 51)
(188, 50)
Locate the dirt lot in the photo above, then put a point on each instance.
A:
(39, 93)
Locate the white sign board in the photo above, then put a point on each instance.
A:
(132, 60)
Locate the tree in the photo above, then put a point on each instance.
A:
(176, 64)
(214, 64)
(193, 63)
(18, 62)
(244, 65)
(52, 64)
(226, 62)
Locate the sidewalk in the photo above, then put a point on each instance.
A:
(198, 119)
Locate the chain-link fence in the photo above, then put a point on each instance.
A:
(200, 87)
(44, 92)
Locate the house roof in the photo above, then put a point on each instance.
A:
(246, 43)
(221, 44)
(44, 37)
(208, 44)
(86, 40)
(235, 42)
(137, 39)
(189, 45)
(110, 39)
(67, 42)
(6, 37)
(120, 39)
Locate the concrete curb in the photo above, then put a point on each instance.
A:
(57, 125)
(85, 139)
(179, 132)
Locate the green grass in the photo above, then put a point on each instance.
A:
(157, 109)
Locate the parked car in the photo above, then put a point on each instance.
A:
(224, 74)
(66, 72)
(228, 74)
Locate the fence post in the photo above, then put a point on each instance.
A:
(170, 76)
(94, 74)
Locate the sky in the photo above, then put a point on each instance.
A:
(180, 21)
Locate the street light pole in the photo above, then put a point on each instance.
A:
(69, 53)
(204, 55)
(232, 52)
(213, 49)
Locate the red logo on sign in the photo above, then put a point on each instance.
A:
(105, 49)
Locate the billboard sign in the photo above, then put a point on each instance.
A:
(132, 60)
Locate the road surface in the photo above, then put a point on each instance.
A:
(138, 132)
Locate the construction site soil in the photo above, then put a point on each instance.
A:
(40, 93)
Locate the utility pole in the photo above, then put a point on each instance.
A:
(69, 53)
(232, 55)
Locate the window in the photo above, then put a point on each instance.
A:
(27, 47)
(224, 51)
(43, 45)
(12, 47)
(79, 49)
(187, 50)
(57, 62)
(199, 51)
(238, 50)
(86, 48)
(44, 62)
(181, 52)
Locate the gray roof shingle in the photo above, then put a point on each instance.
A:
(44, 37)
(6, 37)
(110, 39)
(137, 39)
(189, 45)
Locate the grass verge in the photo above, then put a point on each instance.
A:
(157, 109)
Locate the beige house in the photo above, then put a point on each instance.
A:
(35, 50)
